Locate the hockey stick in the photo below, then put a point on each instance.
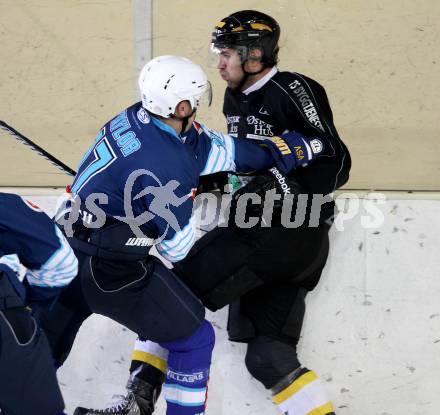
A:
(20, 137)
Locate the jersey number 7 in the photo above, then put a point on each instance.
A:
(98, 158)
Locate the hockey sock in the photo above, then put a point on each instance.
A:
(146, 352)
(147, 373)
(185, 388)
(304, 395)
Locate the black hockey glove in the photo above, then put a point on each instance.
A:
(271, 184)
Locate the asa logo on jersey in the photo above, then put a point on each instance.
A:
(299, 152)
(143, 116)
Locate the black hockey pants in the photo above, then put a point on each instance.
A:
(144, 296)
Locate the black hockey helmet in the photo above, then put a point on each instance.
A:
(246, 30)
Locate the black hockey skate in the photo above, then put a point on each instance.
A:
(126, 405)
(140, 399)
(143, 388)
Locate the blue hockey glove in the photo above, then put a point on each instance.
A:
(293, 150)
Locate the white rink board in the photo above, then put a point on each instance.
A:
(372, 329)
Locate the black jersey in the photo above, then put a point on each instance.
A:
(291, 101)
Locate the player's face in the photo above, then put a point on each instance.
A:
(229, 67)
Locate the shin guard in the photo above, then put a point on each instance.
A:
(185, 388)
(303, 395)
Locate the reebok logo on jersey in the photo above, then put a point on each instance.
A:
(139, 242)
(281, 180)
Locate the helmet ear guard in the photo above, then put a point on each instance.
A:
(255, 53)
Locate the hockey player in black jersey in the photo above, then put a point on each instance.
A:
(28, 237)
(266, 271)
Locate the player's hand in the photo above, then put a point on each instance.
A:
(293, 150)
(265, 185)
(305, 149)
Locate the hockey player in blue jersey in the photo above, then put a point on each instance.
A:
(266, 271)
(28, 236)
(149, 145)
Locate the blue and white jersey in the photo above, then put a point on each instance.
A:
(138, 167)
(30, 235)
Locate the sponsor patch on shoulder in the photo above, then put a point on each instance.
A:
(143, 116)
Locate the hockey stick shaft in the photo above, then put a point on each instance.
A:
(43, 153)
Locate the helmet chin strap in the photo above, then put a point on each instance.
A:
(246, 75)
(184, 120)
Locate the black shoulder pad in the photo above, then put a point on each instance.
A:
(307, 95)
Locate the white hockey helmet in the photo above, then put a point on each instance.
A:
(167, 80)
